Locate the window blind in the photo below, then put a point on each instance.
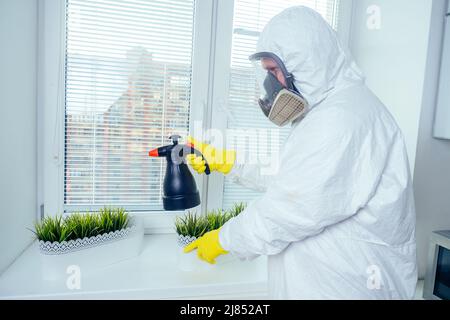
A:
(128, 82)
(250, 17)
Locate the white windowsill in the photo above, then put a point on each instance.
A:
(152, 275)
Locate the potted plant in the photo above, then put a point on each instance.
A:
(88, 241)
(192, 226)
(236, 209)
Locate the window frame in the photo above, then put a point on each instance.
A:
(210, 65)
(51, 105)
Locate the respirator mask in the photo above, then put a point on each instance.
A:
(280, 101)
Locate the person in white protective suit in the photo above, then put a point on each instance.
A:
(338, 219)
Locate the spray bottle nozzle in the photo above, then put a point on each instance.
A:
(154, 153)
(166, 150)
(175, 152)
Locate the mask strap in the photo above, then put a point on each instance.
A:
(293, 85)
(290, 82)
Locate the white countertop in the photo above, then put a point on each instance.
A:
(155, 274)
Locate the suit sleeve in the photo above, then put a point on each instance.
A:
(250, 176)
(330, 168)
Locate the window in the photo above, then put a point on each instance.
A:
(123, 75)
(128, 81)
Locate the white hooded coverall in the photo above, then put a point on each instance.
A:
(338, 219)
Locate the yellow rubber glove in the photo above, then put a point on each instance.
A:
(218, 160)
(208, 247)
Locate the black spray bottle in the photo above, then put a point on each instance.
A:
(179, 189)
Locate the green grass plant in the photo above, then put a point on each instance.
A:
(191, 225)
(195, 225)
(81, 225)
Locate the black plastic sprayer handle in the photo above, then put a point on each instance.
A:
(199, 154)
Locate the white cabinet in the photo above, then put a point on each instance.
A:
(442, 120)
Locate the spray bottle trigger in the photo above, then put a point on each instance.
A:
(199, 154)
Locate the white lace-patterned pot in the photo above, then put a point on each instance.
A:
(90, 254)
(190, 262)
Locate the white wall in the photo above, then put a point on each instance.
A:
(18, 56)
(394, 57)
(432, 174)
